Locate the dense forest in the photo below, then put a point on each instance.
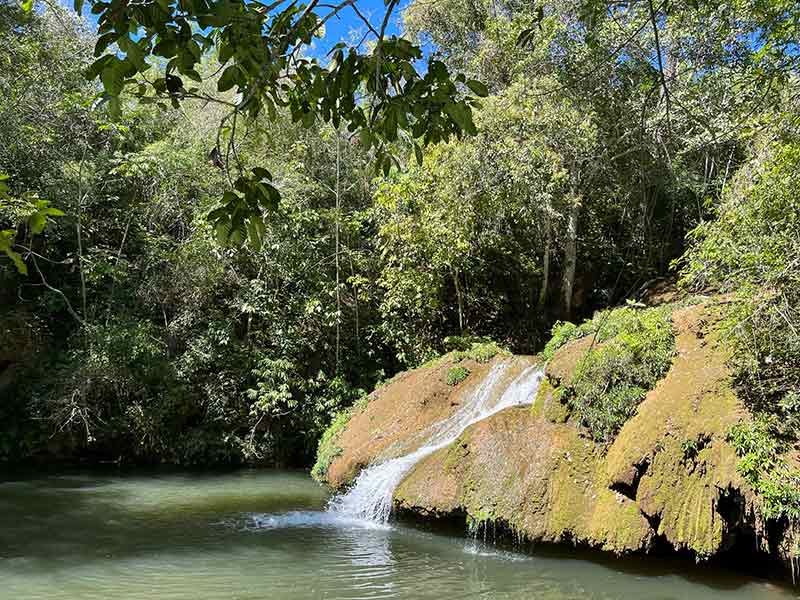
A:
(215, 238)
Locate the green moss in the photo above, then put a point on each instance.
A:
(633, 350)
(554, 409)
(328, 448)
(457, 452)
(545, 389)
(479, 518)
(456, 375)
(433, 362)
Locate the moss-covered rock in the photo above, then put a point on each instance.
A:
(670, 474)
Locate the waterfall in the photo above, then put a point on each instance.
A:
(370, 497)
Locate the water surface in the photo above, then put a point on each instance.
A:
(265, 535)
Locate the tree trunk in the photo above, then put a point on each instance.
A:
(79, 234)
(460, 300)
(548, 235)
(338, 289)
(570, 255)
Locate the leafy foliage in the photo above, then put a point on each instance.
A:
(480, 351)
(162, 336)
(29, 211)
(631, 350)
(762, 465)
(328, 450)
(751, 252)
(260, 53)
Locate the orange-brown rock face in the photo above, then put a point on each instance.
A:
(669, 474)
(394, 420)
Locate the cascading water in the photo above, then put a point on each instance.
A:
(370, 498)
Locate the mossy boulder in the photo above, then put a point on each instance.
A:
(669, 476)
(540, 479)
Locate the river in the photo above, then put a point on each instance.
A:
(265, 534)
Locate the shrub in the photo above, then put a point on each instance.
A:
(456, 375)
(634, 349)
(481, 352)
(604, 325)
(562, 333)
(761, 464)
(328, 448)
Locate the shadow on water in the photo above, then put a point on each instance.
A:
(721, 576)
(169, 522)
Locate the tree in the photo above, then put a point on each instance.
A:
(375, 88)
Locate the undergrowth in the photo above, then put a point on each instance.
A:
(751, 253)
(632, 349)
(328, 448)
(761, 463)
(481, 352)
(479, 349)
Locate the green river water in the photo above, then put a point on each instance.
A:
(265, 535)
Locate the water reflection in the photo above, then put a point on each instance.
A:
(266, 536)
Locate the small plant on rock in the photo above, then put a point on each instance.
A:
(456, 375)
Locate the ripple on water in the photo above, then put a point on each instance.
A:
(136, 537)
(300, 520)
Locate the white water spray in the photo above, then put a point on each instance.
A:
(370, 498)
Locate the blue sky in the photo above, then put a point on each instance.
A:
(349, 25)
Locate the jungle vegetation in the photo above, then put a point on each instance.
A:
(220, 228)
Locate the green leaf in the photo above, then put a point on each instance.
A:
(166, 48)
(133, 52)
(97, 66)
(262, 173)
(6, 242)
(113, 79)
(418, 154)
(16, 258)
(104, 41)
(194, 75)
(478, 88)
(254, 234)
(228, 79)
(37, 222)
(223, 231)
(115, 107)
(460, 115)
(27, 5)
